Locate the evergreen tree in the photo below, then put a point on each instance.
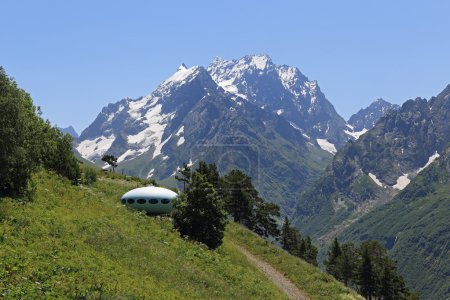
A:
(387, 291)
(265, 222)
(292, 242)
(366, 277)
(240, 197)
(309, 251)
(348, 263)
(332, 261)
(185, 176)
(285, 236)
(210, 172)
(199, 213)
(110, 160)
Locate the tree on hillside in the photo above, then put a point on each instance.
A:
(347, 263)
(367, 280)
(210, 172)
(308, 251)
(18, 155)
(265, 223)
(57, 152)
(27, 142)
(199, 213)
(332, 261)
(110, 160)
(292, 242)
(244, 204)
(369, 269)
(288, 239)
(185, 176)
(240, 197)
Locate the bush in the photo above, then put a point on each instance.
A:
(89, 175)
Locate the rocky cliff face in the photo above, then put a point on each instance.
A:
(368, 172)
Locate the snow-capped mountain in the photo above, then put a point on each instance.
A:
(283, 90)
(366, 118)
(190, 118)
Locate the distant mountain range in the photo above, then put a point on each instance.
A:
(289, 127)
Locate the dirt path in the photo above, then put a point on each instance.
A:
(275, 276)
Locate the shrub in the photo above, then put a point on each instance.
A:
(89, 175)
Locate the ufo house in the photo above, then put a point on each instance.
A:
(152, 199)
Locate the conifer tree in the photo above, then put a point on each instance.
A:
(347, 263)
(265, 222)
(286, 238)
(210, 172)
(199, 213)
(310, 251)
(332, 261)
(240, 197)
(366, 276)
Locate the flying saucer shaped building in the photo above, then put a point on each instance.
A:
(152, 199)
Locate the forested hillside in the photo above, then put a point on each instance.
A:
(415, 228)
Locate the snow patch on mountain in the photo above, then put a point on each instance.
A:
(130, 153)
(431, 159)
(158, 147)
(402, 182)
(327, 146)
(375, 179)
(355, 134)
(180, 141)
(91, 149)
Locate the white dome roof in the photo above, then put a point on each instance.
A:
(150, 191)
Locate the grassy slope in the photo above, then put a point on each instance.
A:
(306, 277)
(74, 241)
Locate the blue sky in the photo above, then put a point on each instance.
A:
(75, 57)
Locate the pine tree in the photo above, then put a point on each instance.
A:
(210, 172)
(240, 197)
(310, 251)
(347, 263)
(285, 236)
(332, 261)
(387, 290)
(367, 278)
(199, 213)
(265, 223)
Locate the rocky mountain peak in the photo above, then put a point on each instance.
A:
(366, 118)
(283, 90)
